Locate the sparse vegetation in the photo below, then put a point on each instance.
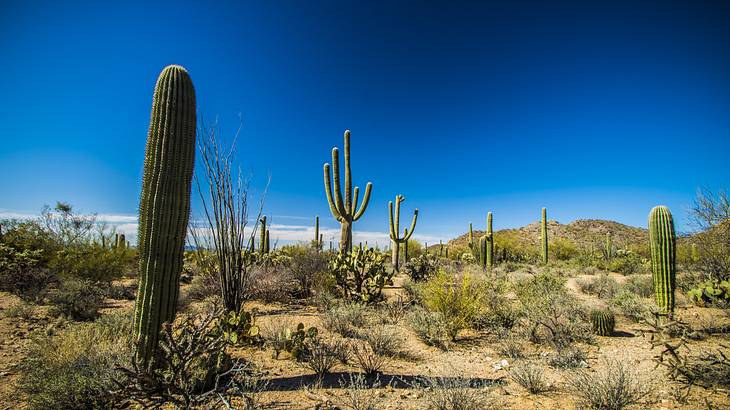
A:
(613, 388)
(531, 377)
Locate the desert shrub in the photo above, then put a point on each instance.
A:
(602, 286)
(630, 305)
(497, 312)
(345, 318)
(204, 284)
(611, 388)
(383, 341)
(421, 267)
(360, 275)
(30, 236)
(91, 260)
(627, 263)
(531, 377)
(20, 310)
(393, 312)
(77, 367)
(642, 285)
(568, 358)
(122, 292)
(272, 282)
(429, 327)
(360, 395)
(552, 315)
(78, 299)
(457, 300)
(710, 215)
(562, 249)
(22, 272)
(366, 358)
(454, 393)
(322, 355)
(511, 347)
(306, 266)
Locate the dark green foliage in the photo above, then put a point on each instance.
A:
(22, 272)
(164, 205)
(393, 222)
(421, 267)
(344, 210)
(711, 292)
(663, 254)
(603, 322)
(237, 329)
(78, 299)
(360, 275)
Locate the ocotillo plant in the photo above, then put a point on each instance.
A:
(544, 236)
(344, 211)
(262, 233)
(393, 222)
(662, 241)
(164, 207)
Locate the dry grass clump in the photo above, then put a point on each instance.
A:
(384, 341)
(630, 305)
(531, 377)
(429, 327)
(455, 393)
(20, 310)
(360, 394)
(511, 347)
(602, 286)
(322, 355)
(367, 358)
(346, 319)
(612, 388)
(568, 358)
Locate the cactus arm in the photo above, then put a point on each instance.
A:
(355, 194)
(338, 188)
(413, 225)
(364, 204)
(328, 191)
(393, 228)
(348, 174)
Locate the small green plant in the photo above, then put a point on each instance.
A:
(711, 292)
(237, 328)
(360, 275)
(531, 377)
(603, 322)
(429, 327)
(457, 300)
(296, 341)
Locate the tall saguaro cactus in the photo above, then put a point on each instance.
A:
(164, 206)
(544, 236)
(483, 251)
(393, 222)
(344, 211)
(263, 234)
(317, 237)
(662, 240)
(489, 248)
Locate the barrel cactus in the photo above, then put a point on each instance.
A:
(164, 206)
(603, 322)
(662, 241)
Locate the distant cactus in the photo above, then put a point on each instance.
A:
(662, 240)
(317, 237)
(441, 249)
(603, 322)
(262, 234)
(393, 222)
(609, 246)
(344, 211)
(164, 207)
(544, 236)
(484, 250)
(489, 250)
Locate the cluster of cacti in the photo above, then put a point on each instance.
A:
(360, 275)
(544, 236)
(603, 321)
(344, 210)
(393, 221)
(662, 241)
(164, 207)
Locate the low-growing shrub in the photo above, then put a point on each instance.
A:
(21, 310)
(77, 367)
(568, 358)
(361, 394)
(602, 286)
(122, 292)
(322, 355)
(93, 261)
(712, 292)
(455, 393)
(429, 327)
(612, 388)
(306, 265)
(367, 359)
(627, 263)
(383, 341)
(630, 305)
(393, 312)
(78, 299)
(23, 273)
(421, 267)
(511, 347)
(642, 285)
(531, 377)
(345, 319)
(457, 300)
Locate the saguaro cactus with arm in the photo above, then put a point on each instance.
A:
(344, 211)
(394, 222)
(164, 207)
(662, 239)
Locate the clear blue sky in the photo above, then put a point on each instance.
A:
(592, 109)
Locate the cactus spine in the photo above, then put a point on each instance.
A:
(544, 236)
(164, 207)
(393, 222)
(662, 240)
(344, 211)
(603, 322)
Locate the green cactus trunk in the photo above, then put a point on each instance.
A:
(603, 322)
(262, 235)
(266, 242)
(609, 246)
(393, 221)
(164, 207)
(489, 246)
(344, 210)
(317, 239)
(662, 240)
(405, 246)
(544, 236)
(483, 252)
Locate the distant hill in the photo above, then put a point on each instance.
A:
(583, 232)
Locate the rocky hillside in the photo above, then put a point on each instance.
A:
(583, 232)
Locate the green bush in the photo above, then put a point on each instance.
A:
(77, 368)
(93, 261)
(457, 300)
(307, 265)
(630, 305)
(78, 299)
(642, 285)
(421, 267)
(602, 286)
(627, 263)
(22, 272)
